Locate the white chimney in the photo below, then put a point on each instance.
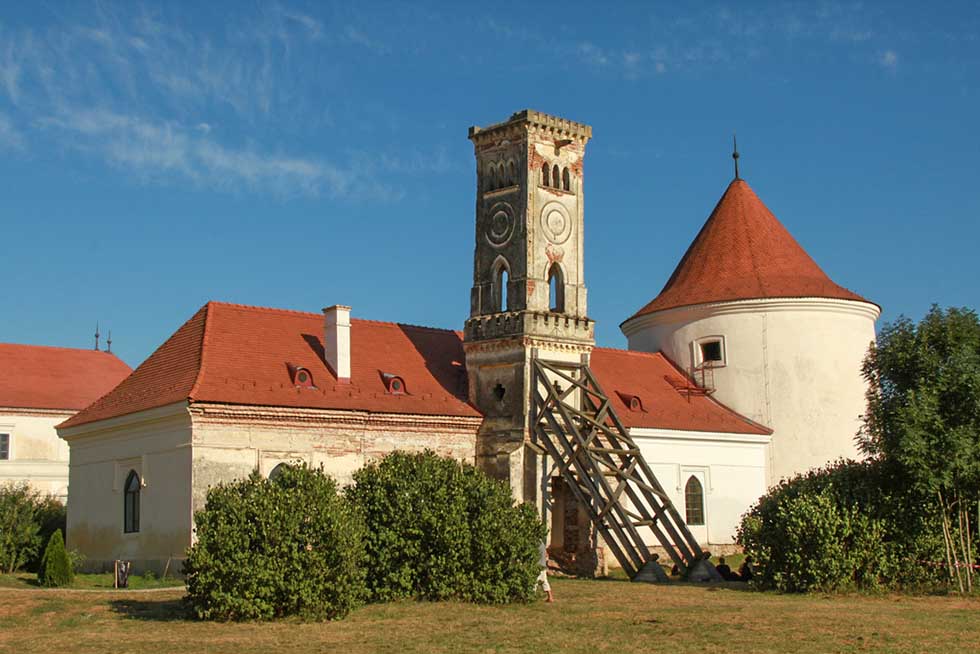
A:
(336, 340)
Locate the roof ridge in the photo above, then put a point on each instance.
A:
(617, 350)
(59, 347)
(311, 314)
(203, 349)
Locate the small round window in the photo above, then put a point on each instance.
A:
(303, 377)
(634, 404)
(396, 386)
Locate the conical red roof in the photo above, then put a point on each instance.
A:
(743, 252)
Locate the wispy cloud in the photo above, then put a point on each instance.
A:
(10, 137)
(888, 59)
(163, 151)
(152, 95)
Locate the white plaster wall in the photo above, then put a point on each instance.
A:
(732, 466)
(37, 455)
(791, 364)
(156, 444)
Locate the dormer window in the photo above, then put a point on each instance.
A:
(632, 402)
(301, 377)
(710, 352)
(394, 384)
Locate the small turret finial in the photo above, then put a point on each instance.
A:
(735, 154)
(108, 343)
(96, 336)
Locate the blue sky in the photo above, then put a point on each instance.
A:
(298, 155)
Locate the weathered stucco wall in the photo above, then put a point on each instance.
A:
(791, 364)
(230, 441)
(37, 455)
(155, 444)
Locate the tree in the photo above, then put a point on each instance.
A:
(56, 567)
(923, 416)
(19, 538)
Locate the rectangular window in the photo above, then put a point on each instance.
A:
(4, 447)
(711, 351)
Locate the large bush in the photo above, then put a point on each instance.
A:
(56, 566)
(849, 525)
(438, 529)
(27, 519)
(270, 548)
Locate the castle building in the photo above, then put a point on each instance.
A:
(241, 388)
(753, 317)
(39, 388)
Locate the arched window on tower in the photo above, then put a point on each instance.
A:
(556, 288)
(131, 503)
(544, 174)
(566, 180)
(499, 290)
(556, 177)
(513, 172)
(694, 501)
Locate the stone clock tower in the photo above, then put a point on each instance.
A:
(528, 297)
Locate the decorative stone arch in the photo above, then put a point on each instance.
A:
(555, 275)
(499, 276)
(556, 176)
(566, 180)
(545, 173)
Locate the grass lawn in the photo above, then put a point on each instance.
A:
(88, 581)
(590, 616)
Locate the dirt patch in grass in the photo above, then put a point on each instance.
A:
(589, 616)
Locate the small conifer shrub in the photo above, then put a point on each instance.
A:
(56, 568)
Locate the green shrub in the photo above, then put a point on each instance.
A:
(849, 525)
(271, 548)
(19, 539)
(438, 529)
(56, 568)
(50, 515)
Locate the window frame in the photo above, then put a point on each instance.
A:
(5, 446)
(698, 351)
(131, 503)
(692, 476)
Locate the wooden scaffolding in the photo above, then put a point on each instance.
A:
(574, 422)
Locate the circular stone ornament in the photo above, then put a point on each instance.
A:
(500, 227)
(555, 222)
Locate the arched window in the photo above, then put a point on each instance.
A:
(556, 288)
(566, 180)
(694, 501)
(131, 503)
(513, 173)
(499, 290)
(556, 177)
(278, 470)
(544, 174)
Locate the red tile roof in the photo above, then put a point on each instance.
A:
(40, 377)
(234, 354)
(648, 377)
(743, 252)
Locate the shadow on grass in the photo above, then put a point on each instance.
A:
(152, 610)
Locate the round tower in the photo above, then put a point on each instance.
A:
(750, 315)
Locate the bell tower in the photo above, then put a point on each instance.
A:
(528, 297)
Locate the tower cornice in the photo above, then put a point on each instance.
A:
(532, 122)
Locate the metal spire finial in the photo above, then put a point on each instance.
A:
(96, 336)
(108, 343)
(735, 154)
